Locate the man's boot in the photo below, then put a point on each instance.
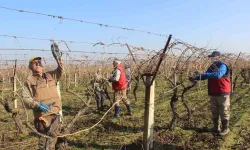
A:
(216, 127)
(225, 129)
(117, 111)
(129, 109)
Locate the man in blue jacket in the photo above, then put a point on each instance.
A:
(219, 90)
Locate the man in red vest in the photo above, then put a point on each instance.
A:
(119, 86)
(219, 90)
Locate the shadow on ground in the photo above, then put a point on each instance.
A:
(121, 128)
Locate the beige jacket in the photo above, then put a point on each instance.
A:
(43, 89)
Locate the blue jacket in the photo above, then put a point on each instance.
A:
(218, 75)
(210, 74)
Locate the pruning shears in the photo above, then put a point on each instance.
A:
(45, 121)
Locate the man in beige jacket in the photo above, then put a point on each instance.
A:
(41, 95)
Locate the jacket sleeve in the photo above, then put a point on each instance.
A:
(116, 75)
(213, 75)
(27, 96)
(57, 73)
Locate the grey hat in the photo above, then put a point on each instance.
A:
(214, 54)
(117, 61)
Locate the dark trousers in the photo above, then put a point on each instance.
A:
(50, 129)
(99, 97)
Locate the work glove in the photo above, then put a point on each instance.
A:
(42, 107)
(197, 73)
(55, 51)
(191, 79)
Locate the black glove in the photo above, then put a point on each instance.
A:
(55, 51)
(191, 79)
(197, 73)
(109, 80)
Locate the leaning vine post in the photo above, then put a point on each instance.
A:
(149, 102)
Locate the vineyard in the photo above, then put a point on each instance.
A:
(182, 115)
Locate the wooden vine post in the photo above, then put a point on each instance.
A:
(175, 79)
(149, 113)
(231, 78)
(149, 102)
(65, 73)
(15, 111)
(75, 76)
(75, 79)
(248, 76)
(14, 85)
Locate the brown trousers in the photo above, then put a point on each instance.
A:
(121, 96)
(51, 129)
(220, 107)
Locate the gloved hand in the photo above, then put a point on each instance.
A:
(55, 51)
(191, 79)
(42, 107)
(197, 73)
(109, 80)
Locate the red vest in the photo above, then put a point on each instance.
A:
(121, 84)
(221, 86)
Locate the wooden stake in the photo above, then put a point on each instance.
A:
(65, 73)
(149, 113)
(75, 79)
(14, 85)
(231, 78)
(175, 79)
(248, 76)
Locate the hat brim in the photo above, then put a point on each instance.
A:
(214, 55)
(35, 58)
